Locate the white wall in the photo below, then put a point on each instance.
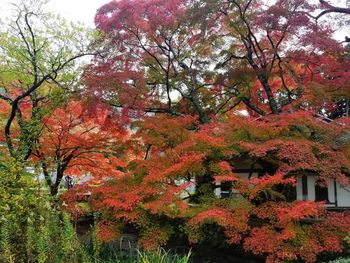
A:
(234, 191)
(343, 194)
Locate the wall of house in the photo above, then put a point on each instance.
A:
(234, 191)
(343, 193)
(331, 191)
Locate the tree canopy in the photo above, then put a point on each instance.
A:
(180, 98)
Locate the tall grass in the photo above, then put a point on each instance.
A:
(127, 253)
(159, 256)
(162, 256)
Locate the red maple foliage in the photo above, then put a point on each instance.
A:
(72, 142)
(196, 66)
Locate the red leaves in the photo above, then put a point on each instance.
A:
(287, 239)
(263, 240)
(268, 181)
(158, 58)
(141, 14)
(169, 203)
(153, 237)
(290, 143)
(106, 232)
(298, 211)
(125, 201)
(234, 222)
(162, 131)
(305, 244)
(183, 154)
(82, 143)
(225, 173)
(189, 163)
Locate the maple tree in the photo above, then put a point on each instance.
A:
(39, 74)
(78, 143)
(182, 94)
(198, 68)
(243, 52)
(158, 187)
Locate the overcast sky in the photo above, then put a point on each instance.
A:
(76, 10)
(84, 10)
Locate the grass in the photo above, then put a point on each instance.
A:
(159, 256)
(126, 251)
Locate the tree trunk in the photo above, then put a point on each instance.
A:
(54, 187)
(272, 101)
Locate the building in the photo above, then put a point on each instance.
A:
(307, 188)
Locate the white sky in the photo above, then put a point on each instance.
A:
(75, 10)
(84, 11)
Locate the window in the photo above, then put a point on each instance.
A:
(321, 191)
(304, 187)
(226, 189)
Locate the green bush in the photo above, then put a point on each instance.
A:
(31, 229)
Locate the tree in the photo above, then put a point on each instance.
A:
(78, 143)
(156, 198)
(186, 65)
(39, 55)
(196, 72)
(157, 66)
(329, 8)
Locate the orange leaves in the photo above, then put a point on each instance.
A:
(90, 163)
(106, 232)
(296, 242)
(83, 144)
(262, 240)
(117, 196)
(225, 174)
(292, 143)
(234, 222)
(186, 162)
(225, 166)
(282, 214)
(190, 163)
(209, 137)
(166, 132)
(300, 210)
(126, 201)
(153, 237)
(117, 162)
(260, 150)
(169, 204)
(286, 238)
(267, 182)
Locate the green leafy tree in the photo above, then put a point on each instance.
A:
(39, 64)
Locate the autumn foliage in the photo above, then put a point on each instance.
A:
(260, 217)
(183, 95)
(184, 72)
